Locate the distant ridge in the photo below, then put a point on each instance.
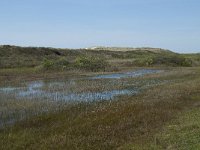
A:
(155, 50)
(99, 48)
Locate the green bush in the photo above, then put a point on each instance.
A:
(47, 64)
(91, 63)
(59, 64)
(62, 62)
(187, 62)
(148, 61)
(173, 61)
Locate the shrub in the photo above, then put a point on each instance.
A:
(62, 62)
(91, 63)
(173, 61)
(59, 64)
(187, 62)
(144, 62)
(47, 64)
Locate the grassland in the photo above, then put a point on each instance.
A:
(164, 116)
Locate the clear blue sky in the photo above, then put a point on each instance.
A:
(171, 24)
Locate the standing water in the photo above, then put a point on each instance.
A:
(42, 96)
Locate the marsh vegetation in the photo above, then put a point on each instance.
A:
(69, 99)
(36, 97)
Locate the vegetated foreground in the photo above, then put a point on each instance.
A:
(164, 114)
(162, 117)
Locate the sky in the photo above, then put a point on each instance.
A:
(169, 24)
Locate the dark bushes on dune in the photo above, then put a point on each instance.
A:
(163, 60)
(87, 63)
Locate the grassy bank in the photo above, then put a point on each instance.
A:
(181, 133)
(131, 122)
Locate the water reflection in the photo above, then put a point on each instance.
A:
(67, 90)
(127, 74)
(34, 91)
(33, 98)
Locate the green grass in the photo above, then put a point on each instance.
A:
(182, 133)
(132, 122)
